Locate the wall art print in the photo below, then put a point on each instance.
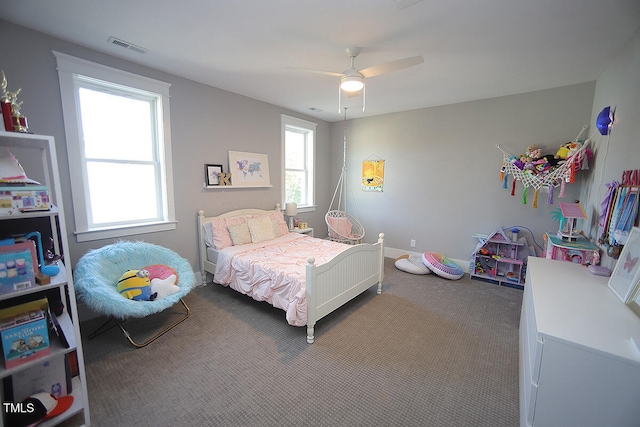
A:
(211, 173)
(249, 169)
(373, 175)
(626, 274)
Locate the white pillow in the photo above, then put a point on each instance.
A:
(413, 265)
(276, 227)
(240, 234)
(261, 229)
(207, 229)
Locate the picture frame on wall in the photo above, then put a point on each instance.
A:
(211, 173)
(249, 169)
(634, 300)
(626, 274)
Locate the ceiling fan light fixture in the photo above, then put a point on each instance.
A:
(351, 83)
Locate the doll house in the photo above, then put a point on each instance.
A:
(569, 244)
(500, 258)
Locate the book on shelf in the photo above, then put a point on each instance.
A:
(57, 330)
(18, 265)
(24, 332)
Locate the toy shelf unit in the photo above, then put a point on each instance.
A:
(499, 259)
(53, 359)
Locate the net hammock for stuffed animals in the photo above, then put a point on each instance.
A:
(343, 227)
(558, 176)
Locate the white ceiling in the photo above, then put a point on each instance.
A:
(473, 49)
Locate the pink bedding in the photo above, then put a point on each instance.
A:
(275, 270)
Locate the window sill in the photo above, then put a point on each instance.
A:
(110, 233)
(303, 209)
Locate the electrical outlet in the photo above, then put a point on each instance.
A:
(413, 243)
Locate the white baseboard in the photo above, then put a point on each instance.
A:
(395, 253)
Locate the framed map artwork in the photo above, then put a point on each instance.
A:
(249, 169)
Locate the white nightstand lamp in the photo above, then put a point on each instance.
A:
(291, 210)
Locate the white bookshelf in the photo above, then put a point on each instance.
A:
(38, 151)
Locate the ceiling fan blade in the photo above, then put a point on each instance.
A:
(376, 70)
(311, 70)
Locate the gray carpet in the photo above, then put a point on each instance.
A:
(427, 352)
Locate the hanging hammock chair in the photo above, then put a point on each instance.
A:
(343, 227)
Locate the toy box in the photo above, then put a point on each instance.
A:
(24, 332)
(24, 198)
(18, 264)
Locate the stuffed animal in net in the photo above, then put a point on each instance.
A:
(135, 285)
(530, 156)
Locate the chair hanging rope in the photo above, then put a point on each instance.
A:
(344, 227)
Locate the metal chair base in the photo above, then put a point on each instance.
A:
(112, 322)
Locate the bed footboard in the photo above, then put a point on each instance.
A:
(337, 282)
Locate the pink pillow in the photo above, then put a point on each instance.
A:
(221, 236)
(342, 226)
(279, 218)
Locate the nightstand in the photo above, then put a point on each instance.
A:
(308, 231)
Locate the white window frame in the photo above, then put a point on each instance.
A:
(288, 122)
(69, 69)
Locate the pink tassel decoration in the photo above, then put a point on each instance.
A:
(562, 189)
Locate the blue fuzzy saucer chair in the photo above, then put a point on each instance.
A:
(96, 277)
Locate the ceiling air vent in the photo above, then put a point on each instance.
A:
(126, 45)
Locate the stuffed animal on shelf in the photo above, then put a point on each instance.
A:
(135, 285)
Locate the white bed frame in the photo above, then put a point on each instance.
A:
(328, 286)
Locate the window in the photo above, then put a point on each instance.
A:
(298, 157)
(119, 148)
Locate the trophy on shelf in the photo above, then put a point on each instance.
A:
(17, 119)
(12, 118)
(5, 102)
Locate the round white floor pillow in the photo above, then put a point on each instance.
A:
(442, 266)
(412, 264)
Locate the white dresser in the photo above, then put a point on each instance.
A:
(578, 366)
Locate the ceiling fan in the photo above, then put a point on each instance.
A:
(352, 80)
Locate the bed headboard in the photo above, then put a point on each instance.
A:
(202, 219)
(242, 212)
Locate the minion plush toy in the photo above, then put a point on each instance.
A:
(135, 285)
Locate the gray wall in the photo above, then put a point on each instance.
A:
(442, 167)
(205, 124)
(618, 87)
